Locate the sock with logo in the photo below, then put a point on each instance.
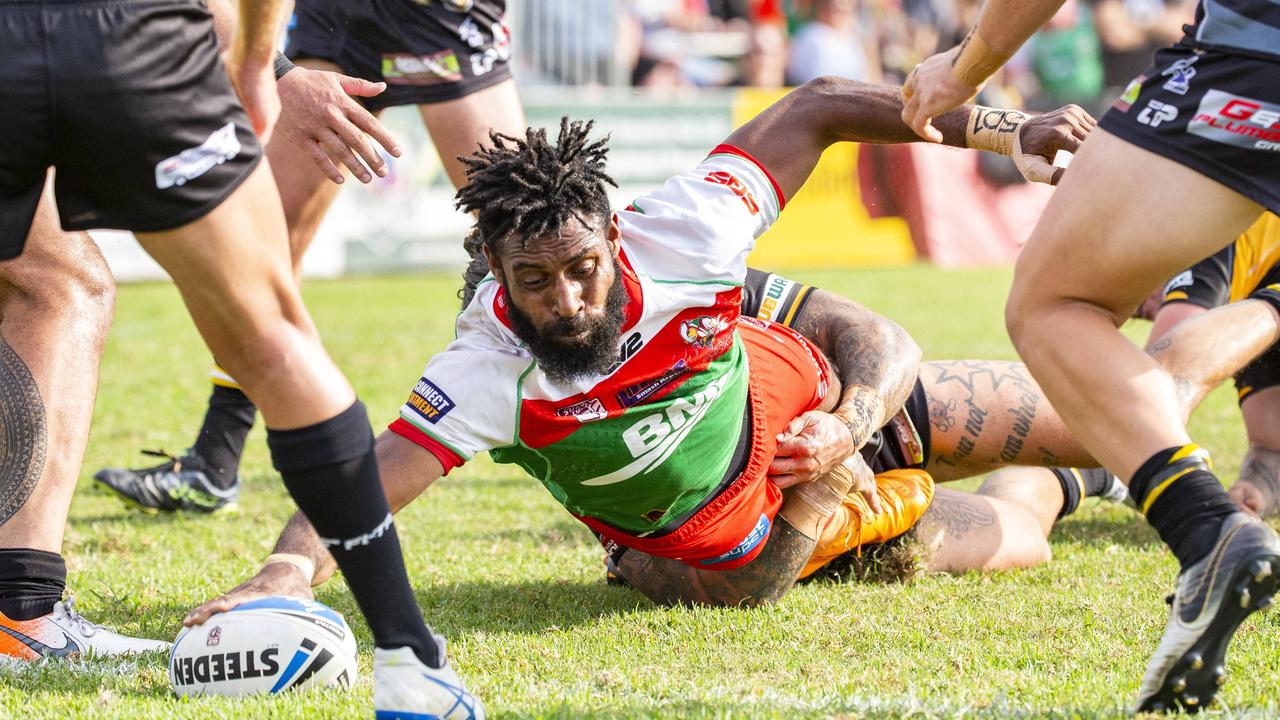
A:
(31, 581)
(1183, 500)
(330, 470)
(221, 440)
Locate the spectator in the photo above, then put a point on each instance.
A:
(830, 45)
(1067, 60)
(765, 64)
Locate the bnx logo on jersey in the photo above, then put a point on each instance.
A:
(1157, 113)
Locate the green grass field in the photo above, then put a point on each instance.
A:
(517, 585)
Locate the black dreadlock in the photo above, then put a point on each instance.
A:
(531, 187)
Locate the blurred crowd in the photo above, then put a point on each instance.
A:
(1086, 54)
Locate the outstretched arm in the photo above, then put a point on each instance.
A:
(951, 78)
(789, 137)
(407, 471)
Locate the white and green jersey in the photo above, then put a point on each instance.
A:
(649, 441)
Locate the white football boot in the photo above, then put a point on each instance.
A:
(406, 689)
(65, 633)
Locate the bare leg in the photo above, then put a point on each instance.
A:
(1091, 260)
(993, 529)
(984, 414)
(458, 127)
(1208, 347)
(56, 303)
(241, 293)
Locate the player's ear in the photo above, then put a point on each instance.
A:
(614, 235)
(495, 265)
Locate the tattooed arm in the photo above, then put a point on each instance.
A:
(762, 581)
(875, 360)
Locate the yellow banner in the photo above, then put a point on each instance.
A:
(825, 224)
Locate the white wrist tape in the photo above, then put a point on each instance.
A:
(303, 564)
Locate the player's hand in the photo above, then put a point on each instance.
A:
(810, 446)
(256, 85)
(1042, 136)
(320, 117)
(274, 579)
(1250, 498)
(932, 89)
(864, 482)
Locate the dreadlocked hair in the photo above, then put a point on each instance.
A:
(531, 187)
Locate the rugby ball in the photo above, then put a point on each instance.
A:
(265, 646)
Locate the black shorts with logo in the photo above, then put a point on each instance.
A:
(1216, 113)
(427, 51)
(129, 101)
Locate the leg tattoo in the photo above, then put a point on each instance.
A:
(23, 433)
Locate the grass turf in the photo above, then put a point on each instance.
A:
(517, 585)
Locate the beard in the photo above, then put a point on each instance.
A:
(567, 361)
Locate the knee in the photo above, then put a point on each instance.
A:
(1016, 317)
(75, 284)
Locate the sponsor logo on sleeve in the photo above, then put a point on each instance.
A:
(190, 164)
(1236, 120)
(721, 177)
(1157, 113)
(586, 411)
(434, 69)
(430, 401)
(775, 296)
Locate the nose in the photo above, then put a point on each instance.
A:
(568, 299)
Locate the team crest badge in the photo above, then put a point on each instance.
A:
(702, 330)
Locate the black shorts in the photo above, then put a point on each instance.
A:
(129, 100)
(1215, 113)
(427, 51)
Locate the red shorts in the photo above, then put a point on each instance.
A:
(788, 377)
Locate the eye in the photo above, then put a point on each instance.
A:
(585, 269)
(533, 282)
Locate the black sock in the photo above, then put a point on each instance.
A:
(1183, 500)
(31, 581)
(332, 474)
(1071, 481)
(221, 440)
(1096, 480)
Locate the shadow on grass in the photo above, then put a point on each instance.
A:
(523, 607)
(1101, 531)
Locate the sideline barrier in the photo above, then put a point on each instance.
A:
(863, 206)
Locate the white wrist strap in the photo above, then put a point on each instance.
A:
(303, 564)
